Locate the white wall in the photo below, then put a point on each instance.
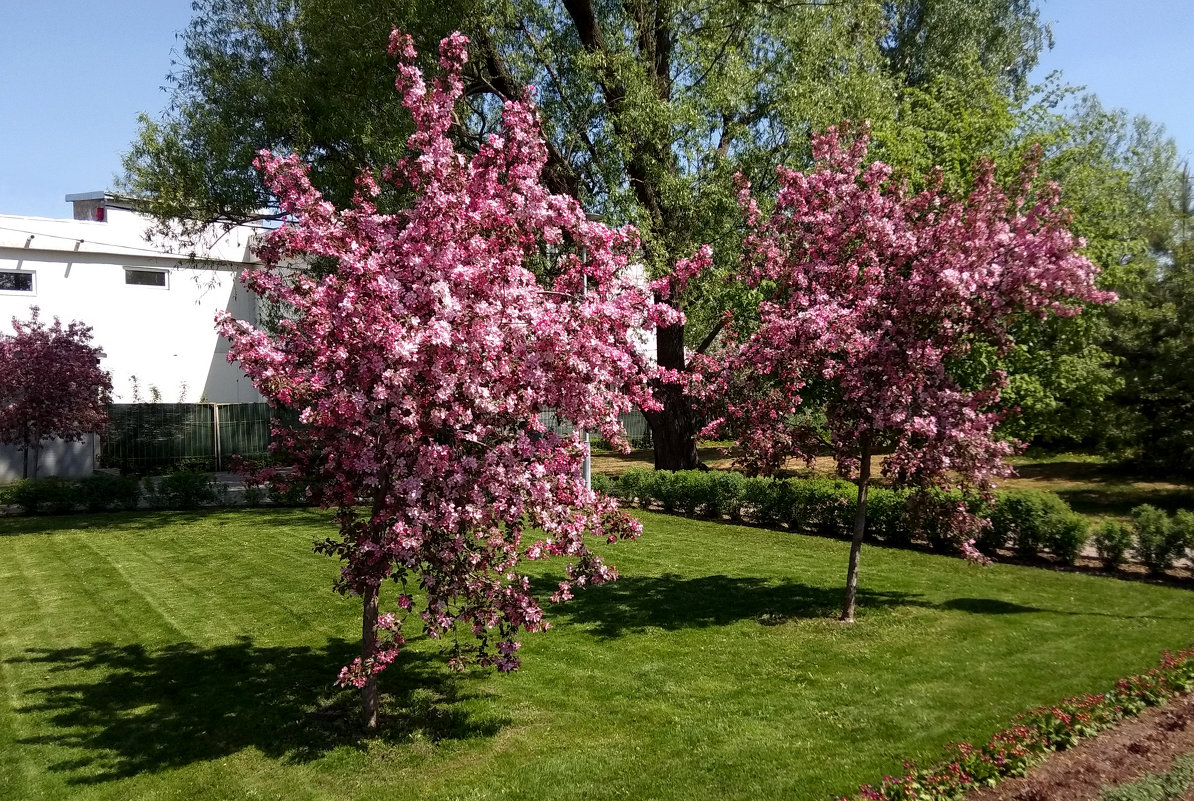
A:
(163, 336)
(57, 458)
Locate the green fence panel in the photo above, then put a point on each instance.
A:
(244, 431)
(154, 437)
(147, 438)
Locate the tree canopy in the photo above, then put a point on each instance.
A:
(51, 384)
(649, 106)
(418, 367)
(874, 298)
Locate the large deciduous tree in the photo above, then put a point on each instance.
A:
(51, 385)
(419, 365)
(875, 298)
(650, 107)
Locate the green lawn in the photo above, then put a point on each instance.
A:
(163, 655)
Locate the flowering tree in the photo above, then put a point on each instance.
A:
(880, 304)
(51, 385)
(420, 364)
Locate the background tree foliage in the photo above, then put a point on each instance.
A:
(650, 107)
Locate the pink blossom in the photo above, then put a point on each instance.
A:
(875, 296)
(419, 366)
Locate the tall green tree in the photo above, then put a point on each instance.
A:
(650, 107)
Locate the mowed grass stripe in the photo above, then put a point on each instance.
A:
(712, 668)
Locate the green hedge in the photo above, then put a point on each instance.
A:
(1028, 522)
(98, 493)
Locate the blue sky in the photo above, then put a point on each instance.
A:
(74, 75)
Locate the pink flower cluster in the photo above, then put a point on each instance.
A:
(420, 364)
(874, 299)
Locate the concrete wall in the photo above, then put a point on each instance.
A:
(57, 458)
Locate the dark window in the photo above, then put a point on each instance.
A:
(145, 277)
(16, 282)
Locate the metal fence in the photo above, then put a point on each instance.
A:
(155, 437)
(149, 438)
(634, 423)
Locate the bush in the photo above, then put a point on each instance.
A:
(689, 490)
(603, 484)
(1030, 521)
(1112, 539)
(1067, 536)
(828, 506)
(886, 517)
(1158, 540)
(768, 500)
(663, 489)
(635, 486)
(253, 495)
(104, 492)
(1183, 523)
(46, 496)
(291, 494)
(186, 489)
(724, 496)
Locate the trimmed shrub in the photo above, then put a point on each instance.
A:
(1113, 540)
(1028, 520)
(1067, 536)
(46, 496)
(604, 484)
(829, 506)
(1183, 524)
(664, 489)
(291, 494)
(886, 516)
(767, 500)
(104, 492)
(724, 495)
(186, 489)
(634, 486)
(690, 490)
(1158, 540)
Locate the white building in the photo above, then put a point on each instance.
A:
(151, 305)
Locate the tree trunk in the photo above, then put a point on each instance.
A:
(674, 427)
(369, 693)
(864, 479)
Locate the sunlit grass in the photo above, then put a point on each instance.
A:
(163, 655)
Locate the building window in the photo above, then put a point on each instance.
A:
(138, 277)
(14, 281)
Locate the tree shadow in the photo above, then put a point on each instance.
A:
(989, 606)
(636, 603)
(155, 520)
(1121, 500)
(131, 710)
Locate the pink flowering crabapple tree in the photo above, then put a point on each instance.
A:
(879, 304)
(51, 385)
(420, 364)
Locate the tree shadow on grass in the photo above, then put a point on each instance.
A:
(636, 603)
(988, 606)
(131, 710)
(156, 520)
